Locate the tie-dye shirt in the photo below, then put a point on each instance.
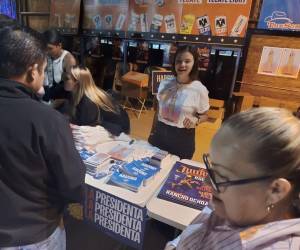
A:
(209, 232)
(180, 101)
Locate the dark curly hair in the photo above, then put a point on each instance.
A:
(18, 51)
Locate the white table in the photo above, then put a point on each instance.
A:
(173, 214)
(144, 194)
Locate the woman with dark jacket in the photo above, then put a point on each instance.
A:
(89, 105)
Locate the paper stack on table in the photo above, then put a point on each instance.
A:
(132, 175)
(141, 168)
(129, 182)
(88, 137)
(95, 162)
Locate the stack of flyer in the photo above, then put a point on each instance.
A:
(133, 175)
(129, 182)
(106, 170)
(141, 168)
(86, 137)
(95, 162)
(157, 158)
(121, 152)
(85, 154)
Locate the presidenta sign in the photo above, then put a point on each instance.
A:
(280, 15)
(227, 1)
(116, 217)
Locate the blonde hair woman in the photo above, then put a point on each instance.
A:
(89, 105)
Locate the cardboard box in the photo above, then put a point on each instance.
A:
(136, 78)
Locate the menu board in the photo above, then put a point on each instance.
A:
(215, 17)
(65, 14)
(195, 17)
(154, 16)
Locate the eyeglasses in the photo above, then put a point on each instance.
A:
(216, 185)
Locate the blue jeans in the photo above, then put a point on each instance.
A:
(56, 241)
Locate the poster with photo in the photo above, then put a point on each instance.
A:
(289, 63)
(217, 18)
(65, 14)
(105, 14)
(283, 62)
(270, 60)
(203, 52)
(142, 52)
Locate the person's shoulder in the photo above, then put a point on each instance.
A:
(85, 101)
(168, 81)
(69, 56)
(44, 113)
(198, 85)
(69, 59)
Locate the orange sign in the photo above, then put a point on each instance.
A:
(204, 17)
(217, 17)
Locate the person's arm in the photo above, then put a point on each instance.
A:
(64, 163)
(201, 220)
(171, 245)
(203, 106)
(201, 117)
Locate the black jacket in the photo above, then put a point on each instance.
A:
(88, 113)
(40, 169)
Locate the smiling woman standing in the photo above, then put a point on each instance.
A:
(183, 103)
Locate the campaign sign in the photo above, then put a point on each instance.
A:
(116, 217)
(157, 77)
(280, 15)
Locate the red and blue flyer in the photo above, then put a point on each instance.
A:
(187, 185)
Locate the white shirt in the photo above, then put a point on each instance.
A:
(180, 101)
(55, 70)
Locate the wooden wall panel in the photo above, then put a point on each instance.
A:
(39, 23)
(269, 86)
(254, 14)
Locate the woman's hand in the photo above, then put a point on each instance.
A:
(187, 123)
(194, 121)
(201, 117)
